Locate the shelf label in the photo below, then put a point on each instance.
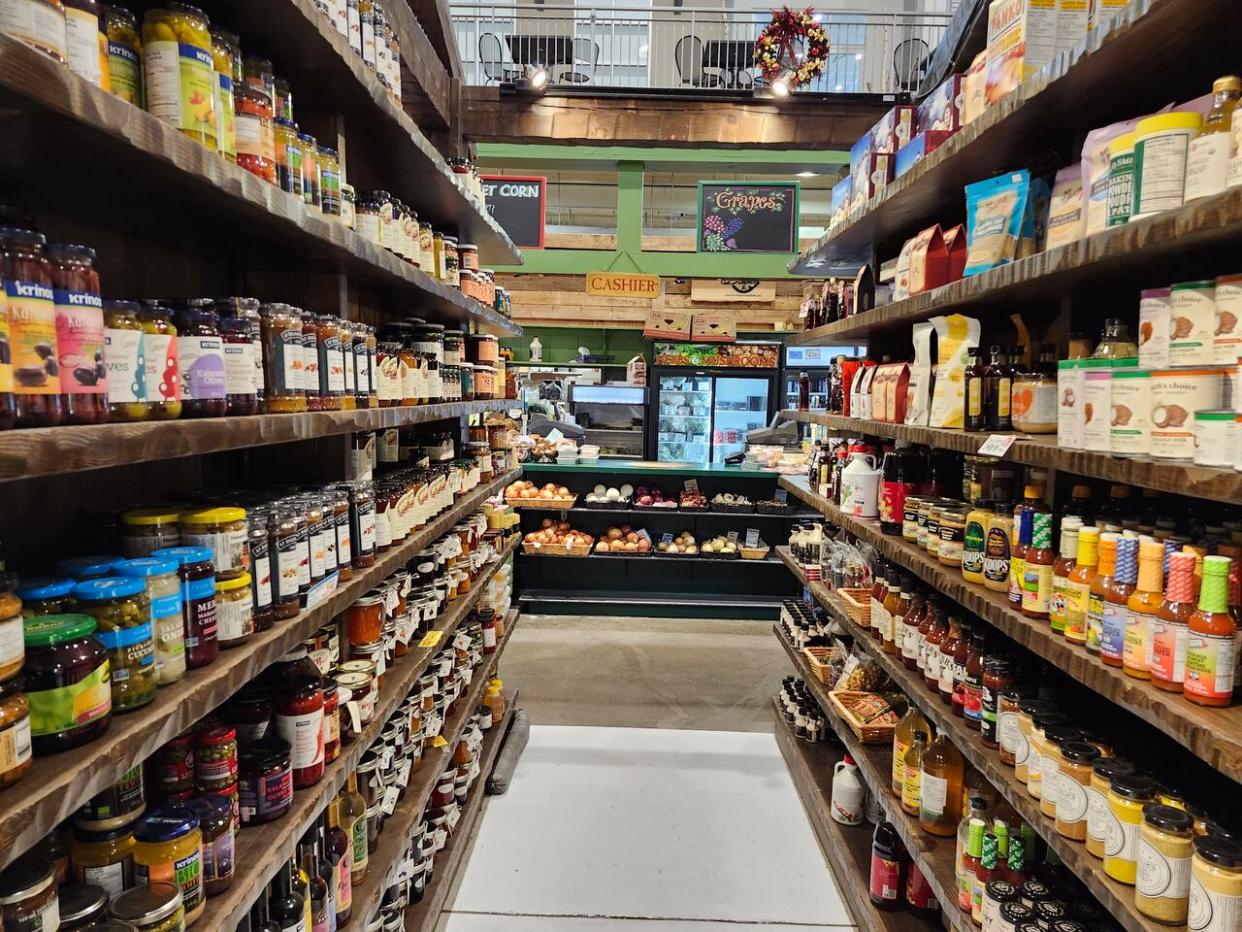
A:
(692, 485)
(997, 445)
(431, 639)
(733, 537)
(438, 741)
(752, 537)
(389, 803)
(782, 496)
(666, 537)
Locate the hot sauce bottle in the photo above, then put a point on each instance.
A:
(897, 618)
(961, 654)
(1058, 605)
(909, 632)
(1078, 587)
(1099, 586)
(972, 699)
(1211, 645)
(1037, 569)
(879, 592)
(948, 650)
(1116, 598)
(1141, 607)
(935, 637)
(1169, 628)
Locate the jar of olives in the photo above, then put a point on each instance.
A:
(200, 350)
(27, 276)
(124, 54)
(79, 333)
(122, 613)
(178, 70)
(163, 365)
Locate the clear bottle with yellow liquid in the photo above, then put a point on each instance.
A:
(903, 737)
(913, 773)
(940, 787)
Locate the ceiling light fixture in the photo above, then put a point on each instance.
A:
(808, 174)
(537, 78)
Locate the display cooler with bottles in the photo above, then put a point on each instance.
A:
(613, 417)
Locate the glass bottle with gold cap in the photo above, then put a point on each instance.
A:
(1207, 158)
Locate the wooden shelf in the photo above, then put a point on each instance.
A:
(935, 856)
(55, 786)
(668, 512)
(58, 126)
(1117, 898)
(261, 850)
(1223, 485)
(425, 915)
(647, 557)
(846, 848)
(387, 150)
(1154, 52)
(1213, 735)
(46, 451)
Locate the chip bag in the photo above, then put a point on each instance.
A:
(995, 214)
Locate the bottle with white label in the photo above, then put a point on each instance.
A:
(941, 788)
(1207, 158)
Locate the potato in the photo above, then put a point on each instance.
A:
(562, 492)
(663, 547)
(644, 545)
(631, 546)
(617, 546)
(547, 522)
(601, 547)
(614, 533)
(631, 538)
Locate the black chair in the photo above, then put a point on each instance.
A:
(586, 58)
(688, 56)
(910, 59)
(497, 64)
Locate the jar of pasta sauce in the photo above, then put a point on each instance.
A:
(299, 721)
(79, 333)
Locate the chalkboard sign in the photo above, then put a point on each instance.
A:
(742, 217)
(518, 206)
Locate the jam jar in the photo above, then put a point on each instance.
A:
(123, 357)
(198, 596)
(79, 333)
(14, 732)
(28, 900)
(362, 524)
(261, 580)
(240, 389)
(310, 360)
(122, 613)
(200, 348)
(282, 359)
(160, 349)
(246, 310)
(28, 286)
(67, 682)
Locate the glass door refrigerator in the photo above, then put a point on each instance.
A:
(702, 415)
(815, 361)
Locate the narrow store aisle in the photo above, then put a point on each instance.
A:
(646, 830)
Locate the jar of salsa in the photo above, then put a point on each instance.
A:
(200, 348)
(198, 594)
(241, 391)
(299, 721)
(161, 352)
(122, 613)
(282, 358)
(123, 358)
(30, 299)
(256, 141)
(66, 678)
(79, 333)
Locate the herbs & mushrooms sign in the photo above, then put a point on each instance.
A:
(744, 217)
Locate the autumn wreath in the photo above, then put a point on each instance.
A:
(794, 45)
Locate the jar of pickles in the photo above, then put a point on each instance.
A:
(256, 141)
(122, 614)
(145, 530)
(168, 624)
(123, 355)
(179, 77)
(124, 54)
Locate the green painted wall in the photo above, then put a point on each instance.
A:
(560, 344)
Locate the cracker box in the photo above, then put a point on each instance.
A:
(894, 129)
(974, 89)
(1072, 23)
(942, 108)
(1021, 40)
(860, 169)
(921, 145)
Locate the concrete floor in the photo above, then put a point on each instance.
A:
(646, 672)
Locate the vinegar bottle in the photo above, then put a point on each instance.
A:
(913, 773)
(976, 409)
(940, 789)
(903, 736)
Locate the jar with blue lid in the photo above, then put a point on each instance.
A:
(95, 566)
(46, 595)
(198, 597)
(163, 582)
(122, 613)
(168, 848)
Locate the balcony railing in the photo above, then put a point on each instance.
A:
(682, 47)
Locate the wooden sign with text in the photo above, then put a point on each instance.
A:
(623, 284)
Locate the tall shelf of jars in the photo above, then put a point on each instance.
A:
(1057, 611)
(256, 584)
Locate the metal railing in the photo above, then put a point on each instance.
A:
(682, 47)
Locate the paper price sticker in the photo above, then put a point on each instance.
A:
(454, 817)
(462, 641)
(666, 537)
(389, 803)
(431, 639)
(752, 537)
(403, 775)
(782, 495)
(692, 485)
(438, 741)
(997, 445)
(733, 537)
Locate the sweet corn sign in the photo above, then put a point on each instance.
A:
(623, 285)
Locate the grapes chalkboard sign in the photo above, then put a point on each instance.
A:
(745, 217)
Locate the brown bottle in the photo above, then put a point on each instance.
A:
(972, 680)
(910, 639)
(925, 626)
(976, 403)
(894, 607)
(961, 654)
(998, 390)
(948, 649)
(936, 634)
(879, 592)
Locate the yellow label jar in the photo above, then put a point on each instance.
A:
(1127, 795)
(178, 70)
(1098, 817)
(168, 848)
(1165, 847)
(1215, 885)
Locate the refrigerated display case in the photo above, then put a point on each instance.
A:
(816, 362)
(702, 415)
(613, 417)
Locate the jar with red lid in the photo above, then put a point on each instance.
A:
(331, 720)
(79, 333)
(299, 721)
(215, 756)
(256, 131)
(172, 773)
(31, 309)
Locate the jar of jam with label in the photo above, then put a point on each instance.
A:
(344, 534)
(331, 362)
(30, 300)
(261, 580)
(198, 587)
(362, 524)
(240, 390)
(310, 360)
(79, 333)
(283, 534)
(200, 348)
(282, 359)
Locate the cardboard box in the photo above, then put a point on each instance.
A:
(714, 328)
(1021, 40)
(956, 336)
(955, 242)
(1102, 12)
(667, 325)
(860, 170)
(894, 129)
(929, 261)
(841, 196)
(882, 167)
(896, 385)
(942, 108)
(922, 145)
(860, 390)
(1073, 21)
(974, 89)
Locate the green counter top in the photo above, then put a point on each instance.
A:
(617, 467)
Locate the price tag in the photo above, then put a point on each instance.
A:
(385, 758)
(462, 641)
(782, 495)
(997, 445)
(431, 639)
(752, 537)
(475, 769)
(666, 537)
(355, 717)
(438, 741)
(454, 817)
(403, 775)
(692, 485)
(733, 537)
(389, 803)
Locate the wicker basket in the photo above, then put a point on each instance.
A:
(543, 504)
(857, 605)
(866, 732)
(819, 660)
(552, 550)
(753, 553)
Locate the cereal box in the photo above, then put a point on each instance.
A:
(942, 108)
(894, 129)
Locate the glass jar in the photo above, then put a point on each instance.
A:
(163, 583)
(483, 349)
(349, 206)
(256, 140)
(28, 896)
(244, 315)
(486, 383)
(362, 524)
(172, 769)
(426, 247)
(450, 382)
(428, 339)
(240, 389)
(234, 610)
(124, 54)
(168, 848)
(257, 72)
(122, 614)
(349, 400)
(29, 295)
(288, 156)
(451, 276)
(299, 721)
(388, 374)
(367, 222)
(93, 566)
(282, 358)
(103, 858)
(66, 681)
(331, 720)
(118, 805)
(178, 71)
(437, 270)
(329, 182)
(284, 98)
(200, 351)
(155, 907)
(198, 596)
(310, 360)
(365, 618)
(46, 595)
(468, 257)
(1128, 794)
(331, 362)
(1216, 888)
(162, 353)
(344, 534)
(311, 194)
(365, 348)
(15, 751)
(316, 537)
(79, 333)
(222, 46)
(123, 355)
(1165, 849)
(145, 530)
(215, 821)
(224, 531)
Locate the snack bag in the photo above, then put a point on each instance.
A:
(995, 216)
(1066, 210)
(956, 335)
